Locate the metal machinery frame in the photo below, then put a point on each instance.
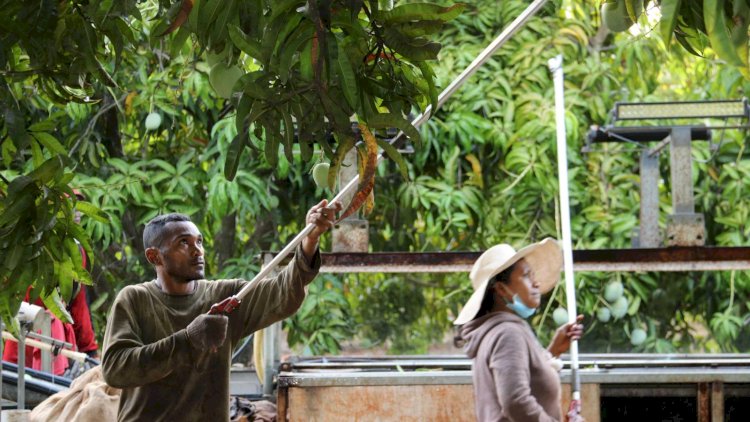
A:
(708, 378)
(685, 227)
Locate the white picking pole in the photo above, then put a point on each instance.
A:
(556, 67)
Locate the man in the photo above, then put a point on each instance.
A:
(169, 357)
(80, 333)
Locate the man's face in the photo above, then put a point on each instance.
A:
(181, 252)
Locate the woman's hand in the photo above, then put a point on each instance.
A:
(564, 335)
(575, 417)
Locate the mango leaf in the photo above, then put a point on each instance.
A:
(669, 10)
(718, 32)
(208, 13)
(367, 181)
(54, 303)
(288, 135)
(284, 7)
(19, 184)
(13, 258)
(417, 12)
(413, 49)
(276, 34)
(346, 143)
(74, 252)
(48, 171)
(429, 77)
(396, 156)
(305, 61)
(82, 237)
(92, 211)
(180, 16)
(14, 122)
(65, 277)
(220, 27)
(244, 105)
(234, 153)
(740, 38)
(685, 43)
(348, 79)
(369, 204)
(244, 43)
(386, 120)
(420, 28)
(288, 52)
(631, 7)
(21, 205)
(271, 148)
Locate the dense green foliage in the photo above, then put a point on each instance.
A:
(93, 85)
(487, 174)
(721, 25)
(484, 172)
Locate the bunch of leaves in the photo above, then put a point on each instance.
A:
(91, 71)
(324, 321)
(64, 47)
(720, 24)
(318, 63)
(39, 240)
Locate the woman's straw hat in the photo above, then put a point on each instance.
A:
(545, 259)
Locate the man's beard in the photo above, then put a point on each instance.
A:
(185, 277)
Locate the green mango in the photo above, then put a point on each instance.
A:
(320, 175)
(615, 15)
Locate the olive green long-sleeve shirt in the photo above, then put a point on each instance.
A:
(148, 356)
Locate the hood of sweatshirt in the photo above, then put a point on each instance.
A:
(473, 332)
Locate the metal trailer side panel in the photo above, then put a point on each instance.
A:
(376, 403)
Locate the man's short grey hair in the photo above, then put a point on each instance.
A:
(153, 234)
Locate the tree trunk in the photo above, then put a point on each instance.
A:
(264, 233)
(111, 128)
(224, 243)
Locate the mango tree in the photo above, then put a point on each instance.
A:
(293, 72)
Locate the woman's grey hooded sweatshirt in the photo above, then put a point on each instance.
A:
(513, 378)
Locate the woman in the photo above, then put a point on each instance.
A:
(515, 379)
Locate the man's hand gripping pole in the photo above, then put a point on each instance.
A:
(226, 306)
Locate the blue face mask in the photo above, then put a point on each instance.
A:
(520, 308)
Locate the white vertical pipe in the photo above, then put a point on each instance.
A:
(556, 67)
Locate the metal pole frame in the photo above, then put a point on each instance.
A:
(556, 67)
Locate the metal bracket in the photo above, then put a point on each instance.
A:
(684, 226)
(352, 233)
(648, 232)
(686, 229)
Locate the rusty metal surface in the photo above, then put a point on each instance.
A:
(590, 401)
(717, 402)
(647, 259)
(635, 376)
(413, 403)
(282, 404)
(681, 169)
(351, 235)
(602, 362)
(685, 229)
(704, 402)
(649, 236)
